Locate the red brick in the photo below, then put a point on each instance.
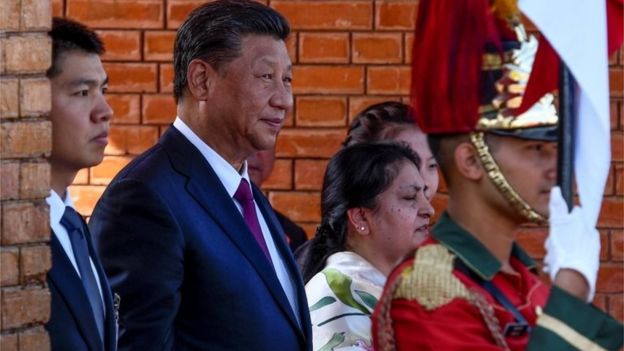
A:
(300, 206)
(389, 80)
(408, 44)
(131, 77)
(131, 140)
(281, 176)
(58, 8)
(358, 104)
(328, 80)
(35, 97)
(126, 108)
(82, 177)
(34, 263)
(377, 48)
(25, 139)
(619, 178)
(610, 278)
(309, 229)
(614, 114)
(8, 342)
(617, 146)
(34, 180)
(326, 14)
(532, 241)
(34, 339)
(117, 14)
(610, 185)
(85, 197)
(604, 245)
(393, 15)
(9, 15)
(291, 46)
(36, 15)
(121, 45)
(9, 271)
(27, 53)
(158, 45)
(158, 109)
(616, 81)
(617, 245)
(309, 143)
(21, 307)
(616, 307)
(103, 173)
(611, 213)
(9, 180)
(309, 174)
(324, 47)
(600, 301)
(178, 10)
(317, 111)
(166, 78)
(9, 98)
(25, 222)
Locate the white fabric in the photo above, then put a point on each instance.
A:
(584, 50)
(355, 325)
(231, 178)
(571, 244)
(57, 209)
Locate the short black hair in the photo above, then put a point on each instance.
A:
(68, 35)
(354, 177)
(382, 121)
(214, 32)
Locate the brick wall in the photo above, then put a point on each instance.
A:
(25, 138)
(347, 55)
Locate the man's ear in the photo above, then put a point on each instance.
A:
(357, 218)
(467, 161)
(199, 76)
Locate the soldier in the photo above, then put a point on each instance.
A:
(471, 286)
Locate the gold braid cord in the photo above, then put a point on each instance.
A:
(431, 283)
(501, 183)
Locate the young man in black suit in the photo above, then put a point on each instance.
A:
(82, 314)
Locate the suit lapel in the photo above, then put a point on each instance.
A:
(67, 282)
(206, 188)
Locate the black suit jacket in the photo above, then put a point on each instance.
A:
(188, 270)
(71, 325)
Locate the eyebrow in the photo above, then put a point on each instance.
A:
(88, 81)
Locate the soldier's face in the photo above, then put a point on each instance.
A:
(530, 167)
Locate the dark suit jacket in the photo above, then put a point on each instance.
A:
(295, 235)
(71, 325)
(188, 270)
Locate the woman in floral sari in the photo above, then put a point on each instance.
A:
(374, 212)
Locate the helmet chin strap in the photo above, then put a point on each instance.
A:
(497, 177)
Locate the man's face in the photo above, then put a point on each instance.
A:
(529, 166)
(252, 94)
(80, 115)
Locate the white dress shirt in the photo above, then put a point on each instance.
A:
(57, 209)
(231, 178)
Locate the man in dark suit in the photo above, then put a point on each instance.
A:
(82, 315)
(260, 165)
(195, 252)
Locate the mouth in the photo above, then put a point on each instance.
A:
(273, 123)
(101, 139)
(423, 229)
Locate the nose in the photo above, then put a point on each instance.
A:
(425, 209)
(102, 112)
(282, 98)
(551, 162)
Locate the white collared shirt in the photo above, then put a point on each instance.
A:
(57, 209)
(231, 178)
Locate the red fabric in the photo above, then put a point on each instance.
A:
(458, 325)
(545, 75)
(449, 40)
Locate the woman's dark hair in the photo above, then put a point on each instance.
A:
(355, 176)
(214, 32)
(379, 122)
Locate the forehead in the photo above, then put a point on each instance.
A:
(264, 49)
(77, 64)
(407, 177)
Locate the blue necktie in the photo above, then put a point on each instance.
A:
(75, 228)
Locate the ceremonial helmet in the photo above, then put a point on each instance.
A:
(472, 60)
